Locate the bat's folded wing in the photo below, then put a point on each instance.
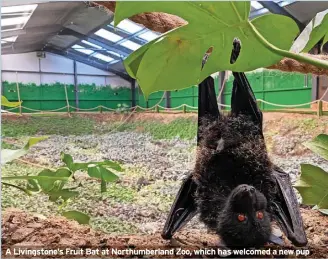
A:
(286, 209)
(183, 209)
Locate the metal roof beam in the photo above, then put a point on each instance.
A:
(101, 42)
(277, 9)
(49, 29)
(86, 46)
(91, 62)
(127, 35)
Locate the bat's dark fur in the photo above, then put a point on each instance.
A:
(231, 153)
(233, 179)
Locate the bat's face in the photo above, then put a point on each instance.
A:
(244, 220)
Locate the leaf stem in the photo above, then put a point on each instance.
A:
(298, 57)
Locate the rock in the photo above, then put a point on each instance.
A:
(21, 233)
(34, 225)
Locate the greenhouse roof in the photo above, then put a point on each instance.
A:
(86, 33)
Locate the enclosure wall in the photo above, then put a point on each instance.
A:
(42, 81)
(276, 87)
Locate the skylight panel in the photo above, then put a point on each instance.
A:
(256, 5)
(14, 21)
(8, 40)
(82, 49)
(91, 44)
(149, 35)
(129, 26)
(19, 9)
(103, 57)
(130, 45)
(108, 35)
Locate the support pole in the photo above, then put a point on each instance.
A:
(168, 99)
(18, 94)
(133, 93)
(66, 96)
(76, 87)
(319, 108)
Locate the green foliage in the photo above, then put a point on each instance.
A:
(183, 128)
(316, 30)
(8, 155)
(319, 145)
(5, 102)
(313, 183)
(47, 125)
(113, 225)
(174, 60)
(52, 182)
(77, 215)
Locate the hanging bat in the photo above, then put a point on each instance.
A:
(234, 187)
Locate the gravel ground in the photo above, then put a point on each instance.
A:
(140, 201)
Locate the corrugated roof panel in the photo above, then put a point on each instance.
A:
(108, 35)
(82, 49)
(103, 57)
(130, 44)
(91, 44)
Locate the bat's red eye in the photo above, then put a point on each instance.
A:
(241, 217)
(259, 214)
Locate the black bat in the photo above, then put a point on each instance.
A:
(234, 187)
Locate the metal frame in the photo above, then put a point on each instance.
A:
(78, 57)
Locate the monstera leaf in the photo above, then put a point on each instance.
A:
(8, 155)
(316, 30)
(313, 186)
(319, 145)
(173, 61)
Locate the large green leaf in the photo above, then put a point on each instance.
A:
(65, 194)
(5, 102)
(48, 183)
(26, 190)
(67, 159)
(316, 30)
(173, 61)
(8, 155)
(77, 215)
(319, 145)
(313, 186)
(100, 172)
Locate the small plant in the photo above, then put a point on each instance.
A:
(53, 182)
(313, 183)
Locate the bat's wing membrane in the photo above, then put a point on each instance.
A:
(184, 207)
(286, 209)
